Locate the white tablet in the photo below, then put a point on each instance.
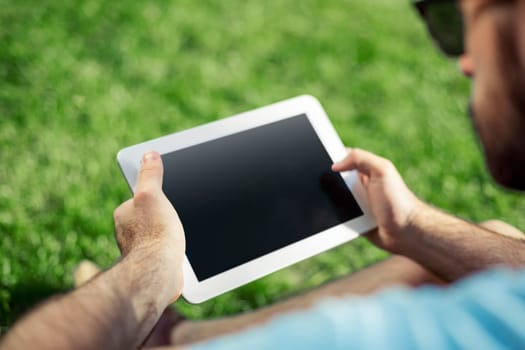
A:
(255, 193)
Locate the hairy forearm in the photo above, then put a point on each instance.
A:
(453, 248)
(116, 310)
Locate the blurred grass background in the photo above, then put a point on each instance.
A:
(80, 80)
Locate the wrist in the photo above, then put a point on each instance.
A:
(158, 267)
(405, 240)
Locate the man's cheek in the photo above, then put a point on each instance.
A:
(486, 106)
(521, 30)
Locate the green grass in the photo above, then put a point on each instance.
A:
(80, 80)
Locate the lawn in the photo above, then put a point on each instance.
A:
(80, 80)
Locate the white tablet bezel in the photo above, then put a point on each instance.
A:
(196, 291)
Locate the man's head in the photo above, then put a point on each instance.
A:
(493, 55)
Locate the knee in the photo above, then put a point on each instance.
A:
(503, 228)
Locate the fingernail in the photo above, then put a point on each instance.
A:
(149, 156)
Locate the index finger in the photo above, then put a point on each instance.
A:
(363, 161)
(151, 171)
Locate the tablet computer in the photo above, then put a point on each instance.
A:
(255, 193)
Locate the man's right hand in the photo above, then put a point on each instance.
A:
(392, 203)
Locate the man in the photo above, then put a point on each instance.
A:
(117, 309)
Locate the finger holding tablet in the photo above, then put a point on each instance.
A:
(392, 202)
(151, 172)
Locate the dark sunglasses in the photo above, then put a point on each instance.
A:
(444, 23)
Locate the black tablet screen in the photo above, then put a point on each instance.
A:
(245, 195)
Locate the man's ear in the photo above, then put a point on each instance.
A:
(466, 65)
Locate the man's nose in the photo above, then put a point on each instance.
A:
(466, 65)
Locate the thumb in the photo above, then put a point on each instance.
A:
(151, 171)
